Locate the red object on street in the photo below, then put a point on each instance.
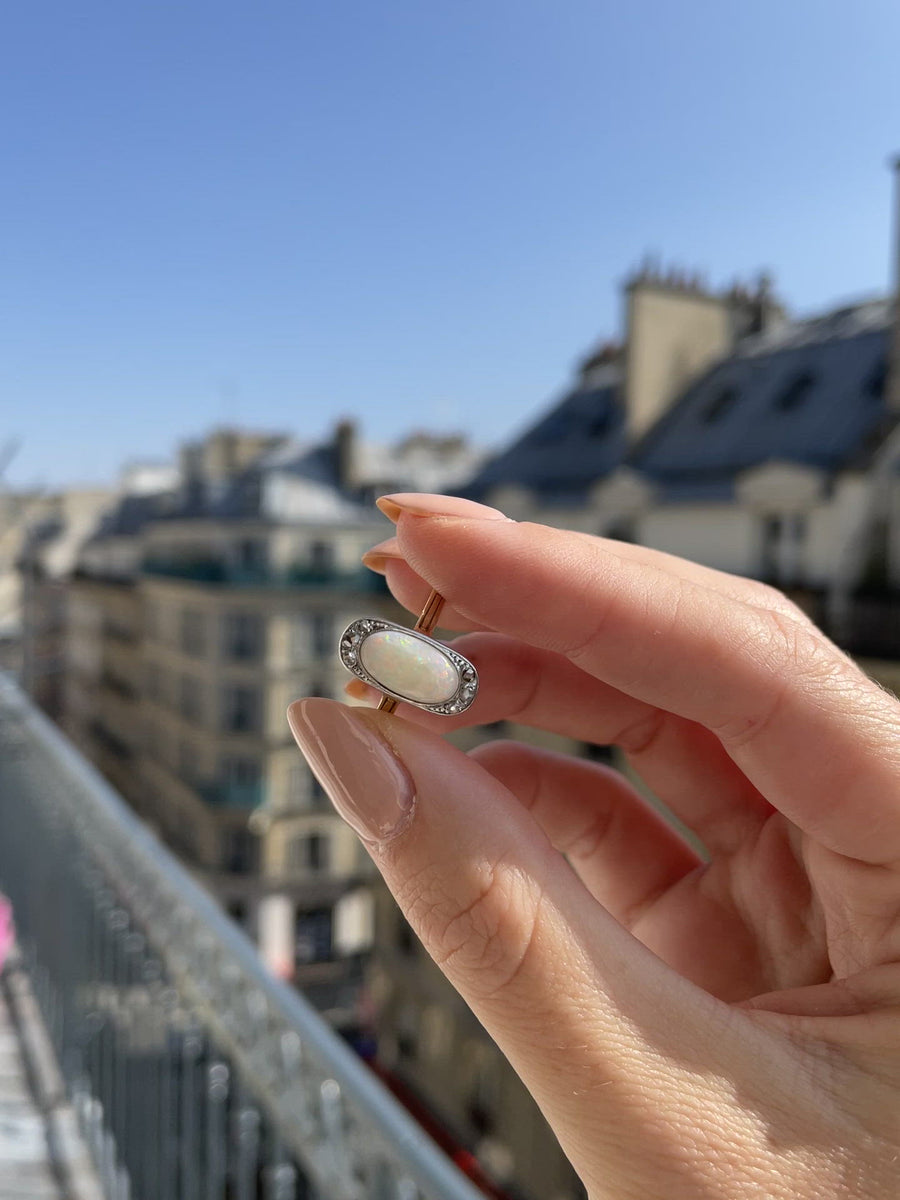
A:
(463, 1158)
(7, 929)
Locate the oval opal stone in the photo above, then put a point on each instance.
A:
(409, 666)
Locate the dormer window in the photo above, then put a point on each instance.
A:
(555, 429)
(874, 385)
(719, 405)
(796, 392)
(599, 423)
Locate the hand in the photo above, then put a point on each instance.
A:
(716, 1029)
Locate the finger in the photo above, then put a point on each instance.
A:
(817, 738)
(735, 587)
(625, 853)
(587, 1016)
(684, 764)
(403, 581)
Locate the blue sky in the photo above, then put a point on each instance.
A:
(414, 212)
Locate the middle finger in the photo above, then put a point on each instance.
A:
(683, 763)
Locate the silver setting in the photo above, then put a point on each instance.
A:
(357, 632)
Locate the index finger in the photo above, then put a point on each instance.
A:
(806, 726)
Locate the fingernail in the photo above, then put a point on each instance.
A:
(422, 504)
(357, 690)
(377, 558)
(365, 780)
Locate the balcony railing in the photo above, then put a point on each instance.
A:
(198, 1076)
(214, 571)
(229, 793)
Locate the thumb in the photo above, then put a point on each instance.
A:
(628, 1061)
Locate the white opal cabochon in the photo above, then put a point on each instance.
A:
(409, 666)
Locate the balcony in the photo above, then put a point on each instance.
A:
(195, 1072)
(230, 793)
(215, 572)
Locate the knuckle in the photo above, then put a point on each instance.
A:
(793, 661)
(795, 649)
(765, 596)
(480, 936)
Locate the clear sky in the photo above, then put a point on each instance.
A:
(418, 212)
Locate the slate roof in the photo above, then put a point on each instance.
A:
(248, 496)
(581, 439)
(129, 515)
(808, 391)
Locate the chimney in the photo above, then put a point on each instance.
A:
(676, 327)
(346, 455)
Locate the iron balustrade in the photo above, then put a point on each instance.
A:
(219, 571)
(196, 1074)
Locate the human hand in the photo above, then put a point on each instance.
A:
(716, 1029)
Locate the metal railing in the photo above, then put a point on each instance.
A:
(197, 1075)
(218, 571)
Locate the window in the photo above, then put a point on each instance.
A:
(239, 851)
(556, 428)
(251, 555)
(239, 783)
(317, 849)
(310, 853)
(313, 936)
(796, 392)
(190, 699)
(321, 556)
(192, 633)
(299, 776)
(771, 535)
(241, 709)
(719, 405)
(874, 385)
(322, 635)
(599, 424)
(241, 770)
(244, 636)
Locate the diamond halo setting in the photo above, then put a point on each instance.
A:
(409, 666)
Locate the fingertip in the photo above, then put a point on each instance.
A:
(424, 504)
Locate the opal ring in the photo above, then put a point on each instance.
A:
(408, 665)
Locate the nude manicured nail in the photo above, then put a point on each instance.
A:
(377, 558)
(422, 504)
(365, 780)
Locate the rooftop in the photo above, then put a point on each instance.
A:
(807, 391)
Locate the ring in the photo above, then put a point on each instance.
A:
(408, 665)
